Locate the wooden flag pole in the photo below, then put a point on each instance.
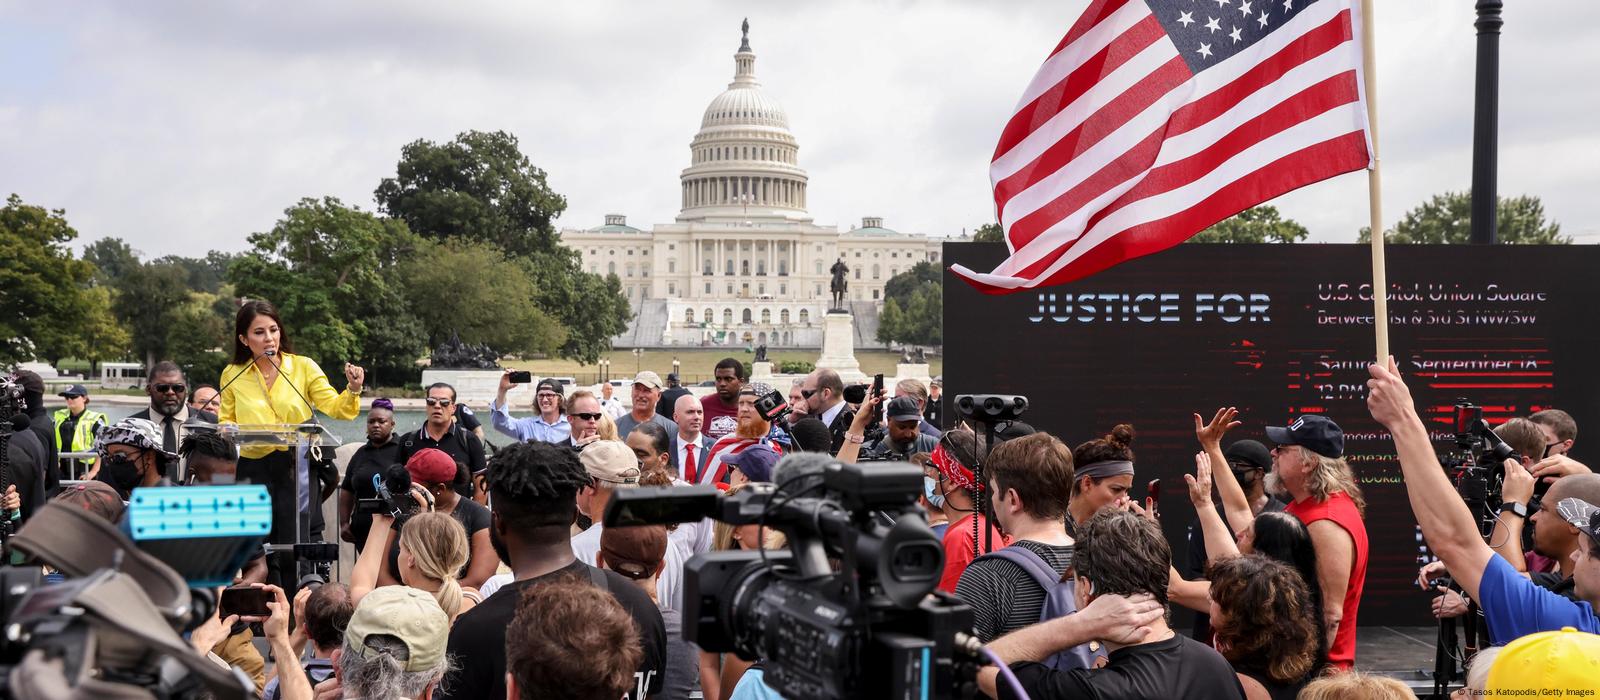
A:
(1380, 283)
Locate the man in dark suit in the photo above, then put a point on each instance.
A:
(690, 446)
(169, 410)
(824, 394)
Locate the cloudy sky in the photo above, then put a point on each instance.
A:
(185, 126)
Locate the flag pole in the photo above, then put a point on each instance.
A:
(1380, 283)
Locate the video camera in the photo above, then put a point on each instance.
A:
(116, 621)
(849, 611)
(12, 405)
(1479, 467)
(394, 494)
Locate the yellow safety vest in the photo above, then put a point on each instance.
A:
(82, 434)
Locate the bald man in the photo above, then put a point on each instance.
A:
(690, 448)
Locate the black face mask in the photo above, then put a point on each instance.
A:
(121, 472)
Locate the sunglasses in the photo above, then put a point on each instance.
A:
(808, 393)
(585, 416)
(437, 402)
(170, 388)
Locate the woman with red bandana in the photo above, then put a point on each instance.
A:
(956, 489)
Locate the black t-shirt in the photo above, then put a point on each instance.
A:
(668, 403)
(1179, 668)
(27, 463)
(1563, 586)
(466, 418)
(470, 514)
(478, 639)
(366, 462)
(457, 442)
(1003, 596)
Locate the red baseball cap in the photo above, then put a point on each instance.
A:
(431, 466)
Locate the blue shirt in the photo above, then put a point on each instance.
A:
(1515, 606)
(752, 687)
(529, 429)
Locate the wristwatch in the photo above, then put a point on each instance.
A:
(1518, 509)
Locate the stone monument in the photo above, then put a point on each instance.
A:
(913, 364)
(474, 371)
(839, 346)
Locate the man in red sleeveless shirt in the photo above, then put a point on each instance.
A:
(1308, 466)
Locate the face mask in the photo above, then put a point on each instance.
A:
(930, 490)
(121, 472)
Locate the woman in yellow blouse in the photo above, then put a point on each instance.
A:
(268, 384)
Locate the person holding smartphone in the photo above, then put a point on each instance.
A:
(550, 425)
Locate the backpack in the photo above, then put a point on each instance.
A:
(1059, 601)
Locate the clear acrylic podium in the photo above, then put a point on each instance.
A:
(305, 442)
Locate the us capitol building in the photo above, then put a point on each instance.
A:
(744, 263)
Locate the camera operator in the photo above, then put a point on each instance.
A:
(824, 398)
(1118, 554)
(1560, 432)
(1513, 606)
(904, 436)
(42, 427)
(380, 450)
(534, 488)
(27, 458)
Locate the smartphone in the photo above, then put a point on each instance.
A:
(1153, 490)
(521, 377)
(877, 390)
(246, 601)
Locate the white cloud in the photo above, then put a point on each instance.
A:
(186, 126)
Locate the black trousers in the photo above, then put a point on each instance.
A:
(276, 472)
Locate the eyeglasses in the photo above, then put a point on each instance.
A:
(437, 402)
(585, 416)
(169, 388)
(548, 395)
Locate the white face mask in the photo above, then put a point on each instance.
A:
(930, 489)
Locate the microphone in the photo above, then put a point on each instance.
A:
(271, 353)
(801, 470)
(236, 377)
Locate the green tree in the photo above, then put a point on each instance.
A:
(147, 302)
(480, 187)
(112, 258)
(1447, 218)
(206, 274)
(989, 233)
(43, 288)
(913, 307)
(103, 337)
(200, 338)
(902, 285)
(1260, 224)
(332, 272)
(493, 305)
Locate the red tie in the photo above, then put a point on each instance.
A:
(694, 467)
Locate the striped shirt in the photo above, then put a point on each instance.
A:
(1004, 598)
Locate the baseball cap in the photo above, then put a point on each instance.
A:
(610, 461)
(755, 462)
(404, 612)
(649, 379)
(431, 466)
(1249, 452)
(1566, 661)
(903, 408)
(30, 380)
(1314, 433)
(75, 390)
(137, 432)
(1582, 514)
(672, 376)
(547, 383)
(634, 552)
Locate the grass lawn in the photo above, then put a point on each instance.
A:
(697, 364)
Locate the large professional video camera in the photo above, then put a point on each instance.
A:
(113, 627)
(849, 611)
(1479, 465)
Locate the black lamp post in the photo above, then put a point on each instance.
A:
(1486, 123)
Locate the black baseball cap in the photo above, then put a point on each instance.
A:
(74, 391)
(904, 408)
(1249, 452)
(1312, 432)
(547, 383)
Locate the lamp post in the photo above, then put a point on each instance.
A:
(675, 366)
(638, 360)
(1486, 123)
(605, 370)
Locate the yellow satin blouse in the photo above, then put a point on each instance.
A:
(246, 400)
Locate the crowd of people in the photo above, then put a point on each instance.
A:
(505, 583)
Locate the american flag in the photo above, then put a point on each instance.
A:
(716, 472)
(1154, 119)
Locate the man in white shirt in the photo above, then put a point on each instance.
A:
(614, 408)
(613, 465)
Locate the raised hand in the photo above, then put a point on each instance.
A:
(1517, 486)
(1200, 481)
(1387, 396)
(355, 376)
(1210, 434)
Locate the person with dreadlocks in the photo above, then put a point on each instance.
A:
(955, 488)
(533, 488)
(209, 459)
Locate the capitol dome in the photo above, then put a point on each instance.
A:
(744, 161)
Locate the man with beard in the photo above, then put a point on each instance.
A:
(752, 430)
(169, 408)
(824, 394)
(441, 432)
(131, 455)
(534, 488)
(380, 451)
(904, 436)
(722, 408)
